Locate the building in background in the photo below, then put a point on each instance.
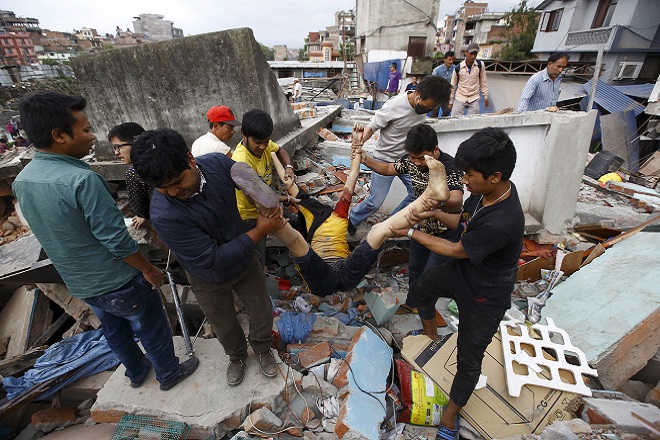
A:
(328, 45)
(627, 31)
(17, 48)
(459, 21)
(9, 22)
(488, 29)
(156, 28)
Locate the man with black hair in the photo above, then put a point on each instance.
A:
(395, 119)
(543, 88)
(139, 193)
(444, 70)
(484, 263)
(254, 149)
(71, 212)
(194, 212)
(423, 141)
(393, 80)
(469, 83)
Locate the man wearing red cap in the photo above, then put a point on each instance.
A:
(221, 128)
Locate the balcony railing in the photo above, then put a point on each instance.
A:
(592, 36)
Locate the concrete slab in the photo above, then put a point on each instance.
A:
(102, 431)
(204, 400)
(630, 417)
(550, 162)
(173, 83)
(611, 308)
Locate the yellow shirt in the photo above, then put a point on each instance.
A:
(263, 166)
(329, 240)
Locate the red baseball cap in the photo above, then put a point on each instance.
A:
(221, 113)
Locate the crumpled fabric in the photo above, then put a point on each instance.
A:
(295, 327)
(88, 351)
(348, 318)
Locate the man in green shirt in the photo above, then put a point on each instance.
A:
(73, 215)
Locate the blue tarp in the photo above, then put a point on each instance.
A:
(611, 100)
(88, 350)
(379, 72)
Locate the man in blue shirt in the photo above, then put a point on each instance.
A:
(73, 215)
(194, 212)
(543, 88)
(444, 70)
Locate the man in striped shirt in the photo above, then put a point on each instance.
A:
(542, 89)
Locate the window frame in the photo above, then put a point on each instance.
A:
(550, 20)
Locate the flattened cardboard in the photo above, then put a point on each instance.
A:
(491, 410)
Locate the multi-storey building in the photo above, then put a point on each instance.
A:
(156, 28)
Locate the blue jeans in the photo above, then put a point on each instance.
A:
(136, 309)
(380, 186)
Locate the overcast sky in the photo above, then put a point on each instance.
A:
(273, 21)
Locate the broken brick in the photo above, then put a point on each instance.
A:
(48, 419)
(262, 419)
(316, 354)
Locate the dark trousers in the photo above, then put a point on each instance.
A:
(421, 258)
(217, 303)
(261, 246)
(476, 328)
(324, 278)
(136, 309)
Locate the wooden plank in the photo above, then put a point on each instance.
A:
(75, 307)
(531, 271)
(20, 364)
(332, 189)
(47, 336)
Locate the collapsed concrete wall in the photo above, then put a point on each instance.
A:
(552, 150)
(173, 83)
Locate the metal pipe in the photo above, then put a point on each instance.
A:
(177, 305)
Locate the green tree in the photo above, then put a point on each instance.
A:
(302, 54)
(522, 23)
(269, 53)
(350, 51)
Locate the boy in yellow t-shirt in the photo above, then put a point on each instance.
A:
(255, 149)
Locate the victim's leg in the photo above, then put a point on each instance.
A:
(436, 190)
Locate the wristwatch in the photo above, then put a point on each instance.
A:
(410, 233)
(289, 166)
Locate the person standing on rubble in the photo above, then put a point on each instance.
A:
(323, 257)
(395, 119)
(297, 90)
(254, 149)
(484, 264)
(423, 141)
(469, 83)
(543, 88)
(194, 212)
(73, 215)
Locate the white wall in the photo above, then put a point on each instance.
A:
(552, 150)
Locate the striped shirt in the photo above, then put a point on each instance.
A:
(540, 92)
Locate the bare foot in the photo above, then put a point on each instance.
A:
(437, 189)
(358, 130)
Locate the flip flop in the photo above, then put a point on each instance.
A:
(253, 187)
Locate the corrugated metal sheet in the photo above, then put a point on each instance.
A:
(610, 99)
(642, 91)
(570, 91)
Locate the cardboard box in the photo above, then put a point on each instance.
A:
(491, 410)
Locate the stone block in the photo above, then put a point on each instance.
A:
(204, 400)
(325, 326)
(653, 396)
(262, 421)
(630, 417)
(22, 320)
(310, 355)
(147, 84)
(370, 360)
(46, 420)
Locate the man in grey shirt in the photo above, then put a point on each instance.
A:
(394, 120)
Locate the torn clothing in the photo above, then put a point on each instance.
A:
(73, 215)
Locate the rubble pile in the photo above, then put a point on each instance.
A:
(354, 364)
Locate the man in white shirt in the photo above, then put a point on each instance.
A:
(297, 90)
(221, 128)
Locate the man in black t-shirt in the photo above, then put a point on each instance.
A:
(481, 275)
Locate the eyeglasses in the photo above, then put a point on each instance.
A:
(116, 147)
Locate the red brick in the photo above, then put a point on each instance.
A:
(316, 355)
(596, 418)
(106, 415)
(48, 419)
(341, 428)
